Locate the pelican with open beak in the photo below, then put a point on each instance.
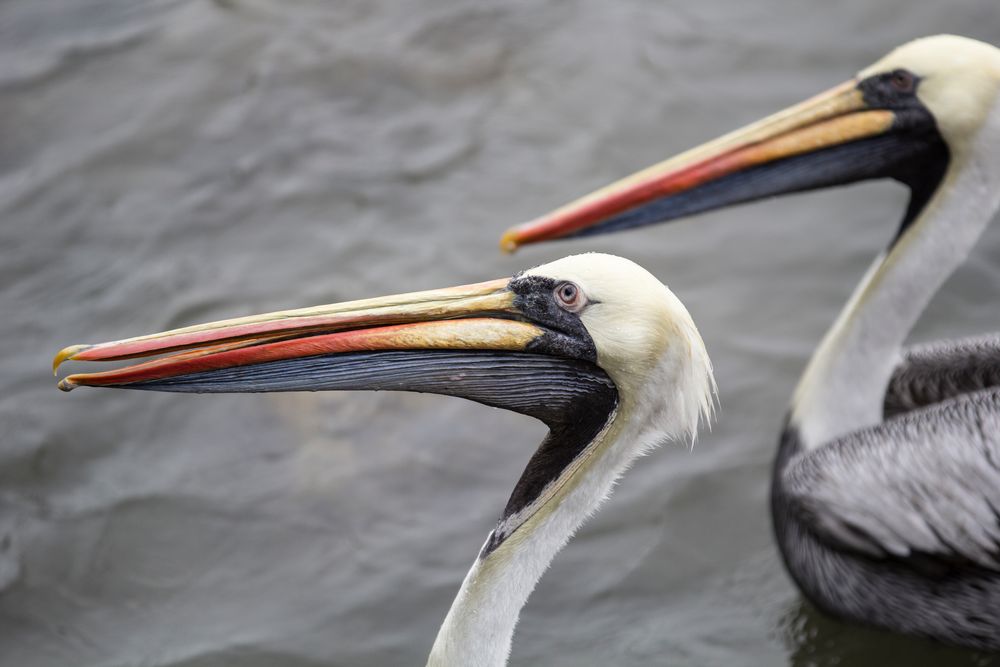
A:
(886, 489)
(592, 345)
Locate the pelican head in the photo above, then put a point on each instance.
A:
(644, 337)
(593, 345)
(914, 116)
(956, 79)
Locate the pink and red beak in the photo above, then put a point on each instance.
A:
(744, 165)
(475, 317)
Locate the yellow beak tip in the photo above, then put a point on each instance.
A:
(509, 242)
(66, 354)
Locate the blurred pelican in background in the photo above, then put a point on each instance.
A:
(886, 487)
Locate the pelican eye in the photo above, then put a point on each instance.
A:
(903, 81)
(570, 297)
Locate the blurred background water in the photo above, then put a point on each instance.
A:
(165, 162)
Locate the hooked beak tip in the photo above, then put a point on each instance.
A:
(67, 384)
(66, 354)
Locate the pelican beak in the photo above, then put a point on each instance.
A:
(834, 138)
(325, 347)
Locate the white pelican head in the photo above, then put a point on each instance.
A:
(956, 79)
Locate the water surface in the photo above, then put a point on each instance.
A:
(164, 162)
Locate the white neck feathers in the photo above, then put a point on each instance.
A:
(480, 624)
(844, 385)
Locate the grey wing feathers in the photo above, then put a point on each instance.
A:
(941, 370)
(923, 485)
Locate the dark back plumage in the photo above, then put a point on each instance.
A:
(899, 524)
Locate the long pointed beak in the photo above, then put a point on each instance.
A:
(665, 191)
(482, 316)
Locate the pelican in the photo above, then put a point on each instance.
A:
(592, 345)
(886, 486)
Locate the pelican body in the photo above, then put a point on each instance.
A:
(592, 345)
(886, 486)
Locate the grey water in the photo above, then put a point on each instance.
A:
(167, 162)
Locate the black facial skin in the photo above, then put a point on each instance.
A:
(565, 334)
(912, 152)
(896, 91)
